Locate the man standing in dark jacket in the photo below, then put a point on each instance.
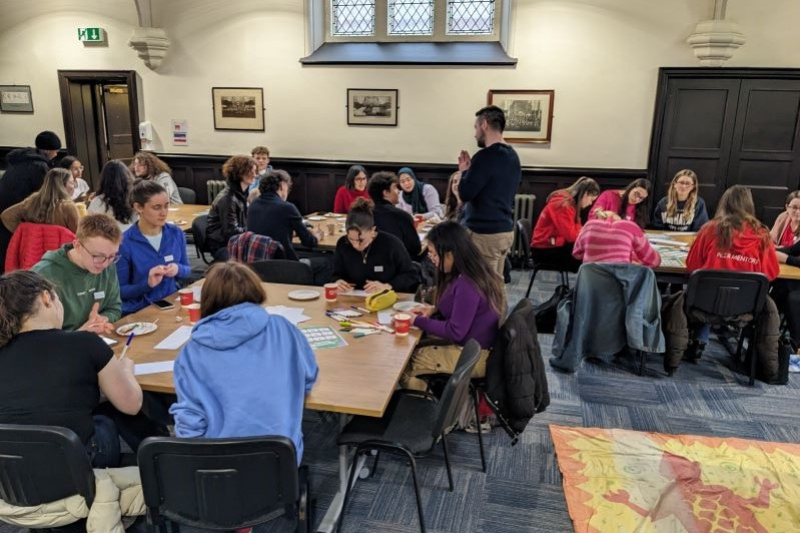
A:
(382, 188)
(25, 172)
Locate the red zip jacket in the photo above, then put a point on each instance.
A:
(556, 225)
(751, 251)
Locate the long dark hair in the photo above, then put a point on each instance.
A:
(452, 237)
(67, 161)
(116, 181)
(452, 209)
(350, 179)
(19, 291)
(736, 208)
(642, 215)
(575, 193)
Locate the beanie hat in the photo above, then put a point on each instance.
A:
(47, 140)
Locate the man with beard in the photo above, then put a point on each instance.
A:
(488, 184)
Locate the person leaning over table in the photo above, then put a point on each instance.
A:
(355, 186)
(682, 209)
(369, 259)
(49, 205)
(418, 198)
(615, 241)
(86, 286)
(227, 216)
(54, 377)
(382, 187)
(244, 372)
(627, 204)
(153, 252)
(469, 303)
(113, 196)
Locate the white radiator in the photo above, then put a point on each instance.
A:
(214, 187)
(523, 208)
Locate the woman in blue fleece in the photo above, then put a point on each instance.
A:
(244, 372)
(153, 253)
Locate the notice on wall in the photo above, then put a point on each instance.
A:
(180, 132)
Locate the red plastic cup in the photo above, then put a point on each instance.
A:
(187, 297)
(331, 292)
(402, 323)
(194, 313)
(419, 220)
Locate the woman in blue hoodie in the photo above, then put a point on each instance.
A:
(153, 253)
(244, 372)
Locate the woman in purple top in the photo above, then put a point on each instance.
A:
(468, 305)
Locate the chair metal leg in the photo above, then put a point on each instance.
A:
(530, 285)
(751, 350)
(565, 278)
(304, 522)
(348, 489)
(642, 362)
(413, 464)
(375, 464)
(447, 462)
(476, 403)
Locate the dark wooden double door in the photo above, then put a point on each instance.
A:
(732, 127)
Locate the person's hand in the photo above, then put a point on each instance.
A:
(171, 270)
(782, 257)
(464, 161)
(318, 233)
(127, 365)
(156, 275)
(422, 310)
(343, 286)
(255, 193)
(376, 286)
(97, 323)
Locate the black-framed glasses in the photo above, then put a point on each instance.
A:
(99, 259)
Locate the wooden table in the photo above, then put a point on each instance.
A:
(183, 215)
(336, 223)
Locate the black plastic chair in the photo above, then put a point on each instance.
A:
(720, 296)
(284, 271)
(412, 425)
(199, 225)
(222, 483)
(524, 233)
(42, 464)
(188, 196)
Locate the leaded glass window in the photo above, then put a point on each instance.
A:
(352, 18)
(410, 17)
(470, 17)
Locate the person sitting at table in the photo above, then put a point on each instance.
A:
(615, 241)
(228, 213)
(382, 187)
(272, 215)
(786, 230)
(560, 223)
(418, 198)
(453, 206)
(113, 196)
(260, 155)
(153, 252)
(75, 168)
(86, 287)
(628, 204)
(237, 352)
(369, 259)
(355, 186)
(147, 166)
(54, 377)
(49, 205)
(468, 304)
(682, 209)
(733, 240)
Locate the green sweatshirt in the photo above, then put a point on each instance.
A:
(79, 289)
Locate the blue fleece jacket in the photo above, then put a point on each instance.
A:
(137, 257)
(244, 373)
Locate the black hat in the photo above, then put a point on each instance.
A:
(47, 140)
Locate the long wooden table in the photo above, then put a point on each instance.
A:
(183, 215)
(336, 223)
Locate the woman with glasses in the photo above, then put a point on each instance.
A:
(786, 230)
(355, 186)
(75, 167)
(153, 253)
(785, 234)
(369, 259)
(627, 204)
(49, 205)
(682, 209)
(147, 166)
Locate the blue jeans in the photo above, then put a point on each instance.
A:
(702, 333)
(103, 447)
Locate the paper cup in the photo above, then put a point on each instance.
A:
(331, 229)
(419, 220)
(331, 292)
(402, 323)
(194, 313)
(187, 297)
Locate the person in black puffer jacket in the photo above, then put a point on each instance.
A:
(228, 214)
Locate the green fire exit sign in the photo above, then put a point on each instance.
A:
(91, 35)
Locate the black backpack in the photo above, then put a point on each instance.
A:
(546, 312)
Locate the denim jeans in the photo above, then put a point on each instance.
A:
(702, 333)
(103, 447)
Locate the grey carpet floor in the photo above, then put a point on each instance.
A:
(522, 490)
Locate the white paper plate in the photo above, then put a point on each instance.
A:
(316, 218)
(331, 215)
(405, 306)
(303, 295)
(139, 328)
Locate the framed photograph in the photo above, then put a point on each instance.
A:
(529, 114)
(238, 108)
(372, 107)
(16, 98)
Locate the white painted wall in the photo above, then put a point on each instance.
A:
(600, 56)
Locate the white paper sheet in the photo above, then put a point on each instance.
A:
(357, 294)
(292, 314)
(153, 368)
(110, 342)
(178, 338)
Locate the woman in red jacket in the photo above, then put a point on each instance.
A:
(733, 240)
(560, 223)
(355, 186)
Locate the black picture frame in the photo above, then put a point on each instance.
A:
(372, 107)
(238, 108)
(16, 99)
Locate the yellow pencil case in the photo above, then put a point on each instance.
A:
(381, 300)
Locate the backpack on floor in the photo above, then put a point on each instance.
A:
(546, 311)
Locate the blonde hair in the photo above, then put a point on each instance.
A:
(672, 196)
(41, 206)
(98, 225)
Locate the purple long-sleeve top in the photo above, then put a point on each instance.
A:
(472, 318)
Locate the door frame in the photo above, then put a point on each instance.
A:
(98, 76)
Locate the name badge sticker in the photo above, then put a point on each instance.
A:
(378, 268)
(99, 295)
(169, 258)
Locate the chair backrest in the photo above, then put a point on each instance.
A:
(218, 483)
(726, 293)
(213, 188)
(188, 196)
(456, 390)
(249, 247)
(524, 238)
(199, 225)
(42, 464)
(284, 271)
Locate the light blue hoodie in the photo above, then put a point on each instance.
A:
(244, 373)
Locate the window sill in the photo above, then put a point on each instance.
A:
(420, 53)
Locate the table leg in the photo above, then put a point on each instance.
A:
(329, 521)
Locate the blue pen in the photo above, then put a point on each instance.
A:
(125, 349)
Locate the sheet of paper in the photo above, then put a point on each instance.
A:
(668, 242)
(178, 338)
(292, 314)
(357, 294)
(153, 368)
(110, 342)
